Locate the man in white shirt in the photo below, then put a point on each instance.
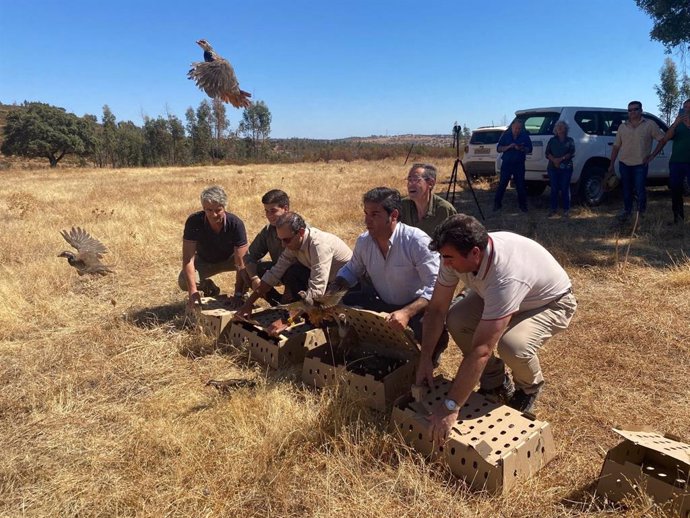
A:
(393, 265)
(519, 298)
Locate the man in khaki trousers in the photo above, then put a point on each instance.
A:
(519, 297)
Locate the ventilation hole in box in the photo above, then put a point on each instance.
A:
(440, 448)
(310, 371)
(477, 410)
(488, 414)
(474, 439)
(480, 420)
(366, 389)
(506, 446)
(452, 451)
(497, 452)
(507, 414)
(485, 403)
(531, 425)
(503, 432)
(471, 427)
(491, 426)
(438, 398)
(419, 436)
(529, 454)
(483, 432)
(468, 416)
(465, 405)
(515, 473)
(499, 420)
(516, 438)
(542, 449)
(462, 461)
(494, 439)
(511, 425)
(486, 475)
(474, 464)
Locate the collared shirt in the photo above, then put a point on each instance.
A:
(323, 253)
(635, 143)
(514, 156)
(408, 271)
(265, 242)
(212, 247)
(516, 274)
(439, 210)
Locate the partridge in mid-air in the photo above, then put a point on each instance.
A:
(89, 252)
(216, 77)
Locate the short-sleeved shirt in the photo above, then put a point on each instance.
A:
(439, 211)
(408, 272)
(323, 253)
(680, 153)
(558, 149)
(514, 156)
(265, 242)
(516, 274)
(635, 143)
(212, 247)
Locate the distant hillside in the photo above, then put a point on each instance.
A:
(422, 140)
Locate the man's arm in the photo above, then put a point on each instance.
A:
(614, 155)
(188, 254)
(321, 258)
(434, 318)
(238, 256)
(485, 338)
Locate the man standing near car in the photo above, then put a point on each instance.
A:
(679, 163)
(515, 144)
(633, 146)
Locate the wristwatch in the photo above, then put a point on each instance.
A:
(450, 405)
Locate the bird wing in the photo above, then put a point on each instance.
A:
(84, 243)
(217, 78)
(328, 300)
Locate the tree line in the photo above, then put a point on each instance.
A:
(39, 130)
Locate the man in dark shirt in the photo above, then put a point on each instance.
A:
(214, 241)
(515, 144)
(276, 203)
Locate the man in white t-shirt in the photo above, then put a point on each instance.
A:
(519, 297)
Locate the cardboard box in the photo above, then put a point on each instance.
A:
(648, 462)
(492, 447)
(216, 313)
(287, 348)
(376, 362)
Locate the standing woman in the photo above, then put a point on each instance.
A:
(560, 151)
(679, 163)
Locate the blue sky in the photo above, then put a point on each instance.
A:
(333, 69)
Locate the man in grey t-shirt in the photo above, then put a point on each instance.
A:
(519, 296)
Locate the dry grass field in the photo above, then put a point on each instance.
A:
(104, 408)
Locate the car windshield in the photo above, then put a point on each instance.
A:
(486, 137)
(539, 123)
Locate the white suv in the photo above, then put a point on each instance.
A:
(593, 130)
(480, 152)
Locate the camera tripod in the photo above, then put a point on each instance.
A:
(454, 174)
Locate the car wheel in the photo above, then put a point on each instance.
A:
(592, 192)
(535, 188)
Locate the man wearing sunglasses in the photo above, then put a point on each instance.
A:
(633, 146)
(322, 253)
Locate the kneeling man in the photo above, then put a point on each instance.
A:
(393, 264)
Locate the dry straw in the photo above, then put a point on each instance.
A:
(104, 406)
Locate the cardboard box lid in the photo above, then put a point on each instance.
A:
(657, 442)
(372, 327)
(217, 305)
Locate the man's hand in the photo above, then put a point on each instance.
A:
(244, 312)
(442, 422)
(425, 373)
(398, 320)
(306, 297)
(277, 327)
(194, 300)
